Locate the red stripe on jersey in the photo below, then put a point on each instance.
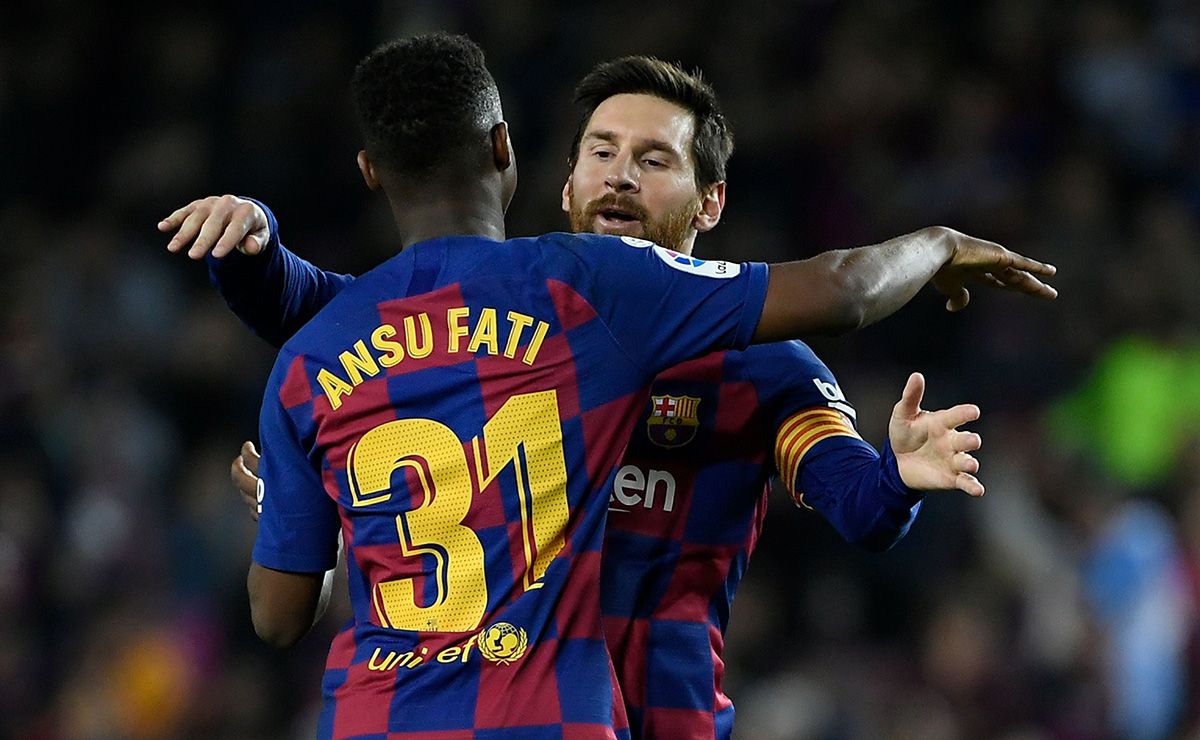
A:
(501, 377)
(505, 701)
(364, 700)
(576, 617)
(434, 306)
(571, 307)
(295, 390)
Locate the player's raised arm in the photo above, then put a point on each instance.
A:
(272, 290)
(847, 289)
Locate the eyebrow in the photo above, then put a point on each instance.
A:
(611, 137)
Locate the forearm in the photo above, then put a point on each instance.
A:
(861, 494)
(848, 289)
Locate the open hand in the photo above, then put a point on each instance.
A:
(244, 472)
(220, 223)
(930, 451)
(977, 259)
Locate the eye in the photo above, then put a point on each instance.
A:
(602, 154)
(653, 163)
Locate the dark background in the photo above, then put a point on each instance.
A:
(1061, 605)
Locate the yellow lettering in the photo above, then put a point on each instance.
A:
(449, 655)
(401, 659)
(535, 344)
(382, 665)
(466, 650)
(458, 330)
(518, 322)
(485, 332)
(379, 340)
(359, 362)
(334, 388)
(418, 350)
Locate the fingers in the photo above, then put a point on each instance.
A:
(247, 485)
(243, 478)
(968, 484)
(1023, 282)
(217, 223)
(176, 218)
(956, 416)
(966, 442)
(1021, 262)
(192, 221)
(250, 456)
(210, 231)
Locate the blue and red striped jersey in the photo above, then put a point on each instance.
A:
(457, 415)
(687, 508)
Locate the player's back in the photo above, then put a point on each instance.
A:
(465, 404)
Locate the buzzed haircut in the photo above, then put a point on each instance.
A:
(712, 143)
(424, 102)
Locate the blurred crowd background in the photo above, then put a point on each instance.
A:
(1064, 604)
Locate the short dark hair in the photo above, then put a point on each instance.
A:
(712, 143)
(422, 101)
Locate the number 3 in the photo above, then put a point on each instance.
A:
(526, 432)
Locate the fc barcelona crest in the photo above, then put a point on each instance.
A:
(673, 420)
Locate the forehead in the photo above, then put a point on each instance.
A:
(641, 117)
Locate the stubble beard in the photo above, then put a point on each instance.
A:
(672, 231)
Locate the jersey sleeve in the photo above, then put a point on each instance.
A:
(299, 523)
(274, 292)
(663, 307)
(820, 457)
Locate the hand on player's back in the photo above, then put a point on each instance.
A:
(220, 223)
(977, 259)
(931, 453)
(244, 472)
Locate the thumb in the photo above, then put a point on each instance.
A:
(959, 300)
(910, 401)
(251, 245)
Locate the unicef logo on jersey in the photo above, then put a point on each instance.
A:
(503, 643)
(707, 268)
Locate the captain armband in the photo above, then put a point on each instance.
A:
(799, 434)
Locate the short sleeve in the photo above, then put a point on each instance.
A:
(298, 525)
(664, 307)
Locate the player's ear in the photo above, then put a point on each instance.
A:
(502, 154)
(368, 170)
(712, 202)
(566, 195)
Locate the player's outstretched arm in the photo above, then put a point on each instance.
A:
(272, 290)
(931, 453)
(843, 290)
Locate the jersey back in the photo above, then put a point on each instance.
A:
(456, 415)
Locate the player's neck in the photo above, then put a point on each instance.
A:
(418, 219)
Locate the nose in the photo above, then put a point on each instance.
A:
(622, 176)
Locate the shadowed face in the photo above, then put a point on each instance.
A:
(635, 174)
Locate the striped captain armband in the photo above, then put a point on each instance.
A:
(799, 434)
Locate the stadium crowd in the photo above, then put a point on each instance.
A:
(1064, 604)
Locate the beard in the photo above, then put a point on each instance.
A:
(672, 230)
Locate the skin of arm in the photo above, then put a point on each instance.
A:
(848, 289)
(285, 606)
